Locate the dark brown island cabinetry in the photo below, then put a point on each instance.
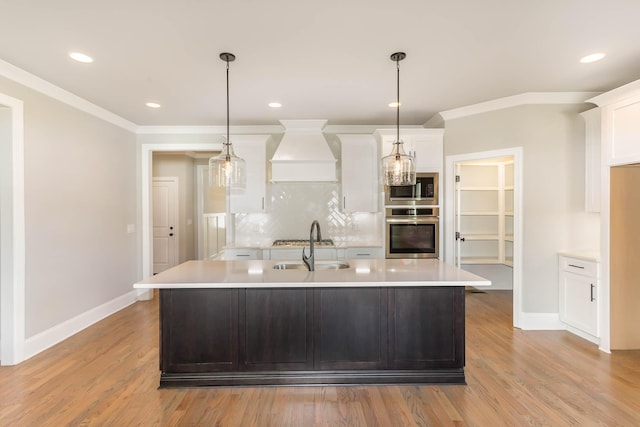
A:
(339, 335)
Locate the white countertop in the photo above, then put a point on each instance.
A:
(361, 273)
(583, 255)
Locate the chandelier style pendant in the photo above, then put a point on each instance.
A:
(226, 169)
(398, 168)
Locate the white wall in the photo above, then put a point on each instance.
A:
(552, 137)
(80, 194)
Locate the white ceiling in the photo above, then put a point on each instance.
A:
(324, 59)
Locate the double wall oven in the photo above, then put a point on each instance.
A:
(412, 227)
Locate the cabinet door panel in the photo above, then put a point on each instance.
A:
(199, 330)
(351, 327)
(276, 328)
(359, 173)
(252, 148)
(578, 305)
(426, 328)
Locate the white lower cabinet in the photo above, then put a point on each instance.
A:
(578, 280)
(242, 253)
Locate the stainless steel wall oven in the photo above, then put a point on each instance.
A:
(412, 232)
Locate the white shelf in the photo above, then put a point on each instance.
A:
(478, 260)
(486, 221)
(488, 188)
(481, 237)
(479, 213)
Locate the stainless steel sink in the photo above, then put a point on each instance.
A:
(320, 265)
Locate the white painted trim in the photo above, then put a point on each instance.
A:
(529, 98)
(14, 253)
(541, 322)
(146, 161)
(209, 130)
(257, 130)
(64, 330)
(617, 94)
(409, 131)
(36, 83)
(518, 231)
(604, 288)
(583, 334)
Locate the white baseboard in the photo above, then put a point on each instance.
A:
(583, 334)
(52, 336)
(541, 322)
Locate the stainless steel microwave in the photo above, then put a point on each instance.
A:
(423, 193)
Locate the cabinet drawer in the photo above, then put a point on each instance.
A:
(363, 253)
(579, 266)
(245, 253)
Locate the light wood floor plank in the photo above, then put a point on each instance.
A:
(108, 375)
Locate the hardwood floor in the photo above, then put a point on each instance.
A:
(108, 375)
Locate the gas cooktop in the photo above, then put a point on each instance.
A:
(302, 242)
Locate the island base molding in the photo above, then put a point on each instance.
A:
(306, 378)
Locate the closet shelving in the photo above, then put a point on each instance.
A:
(486, 214)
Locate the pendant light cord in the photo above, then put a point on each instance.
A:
(398, 102)
(228, 142)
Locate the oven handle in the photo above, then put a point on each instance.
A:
(429, 220)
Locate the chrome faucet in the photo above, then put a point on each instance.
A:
(309, 261)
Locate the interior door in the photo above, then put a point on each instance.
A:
(165, 230)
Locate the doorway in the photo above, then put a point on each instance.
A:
(483, 218)
(12, 231)
(146, 178)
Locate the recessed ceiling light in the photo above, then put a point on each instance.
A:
(592, 58)
(153, 105)
(394, 104)
(81, 57)
(275, 105)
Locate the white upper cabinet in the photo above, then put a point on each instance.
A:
(253, 149)
(359, 173)
(426, 143)
(620, 119)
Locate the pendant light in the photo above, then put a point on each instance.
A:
(398, 168)
(226, 169)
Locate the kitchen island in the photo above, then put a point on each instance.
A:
(376, 321)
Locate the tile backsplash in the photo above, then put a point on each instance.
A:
(292, 208)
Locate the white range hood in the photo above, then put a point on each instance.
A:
(303, 154)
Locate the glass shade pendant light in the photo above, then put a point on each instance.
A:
(398, 168)
(226, 169)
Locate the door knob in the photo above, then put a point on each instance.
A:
(170, 234)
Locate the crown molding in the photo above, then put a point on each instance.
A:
(254, 130)
(209, 130)
(529, 98)
(409, 131)
(617, 94)
(31, 81)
